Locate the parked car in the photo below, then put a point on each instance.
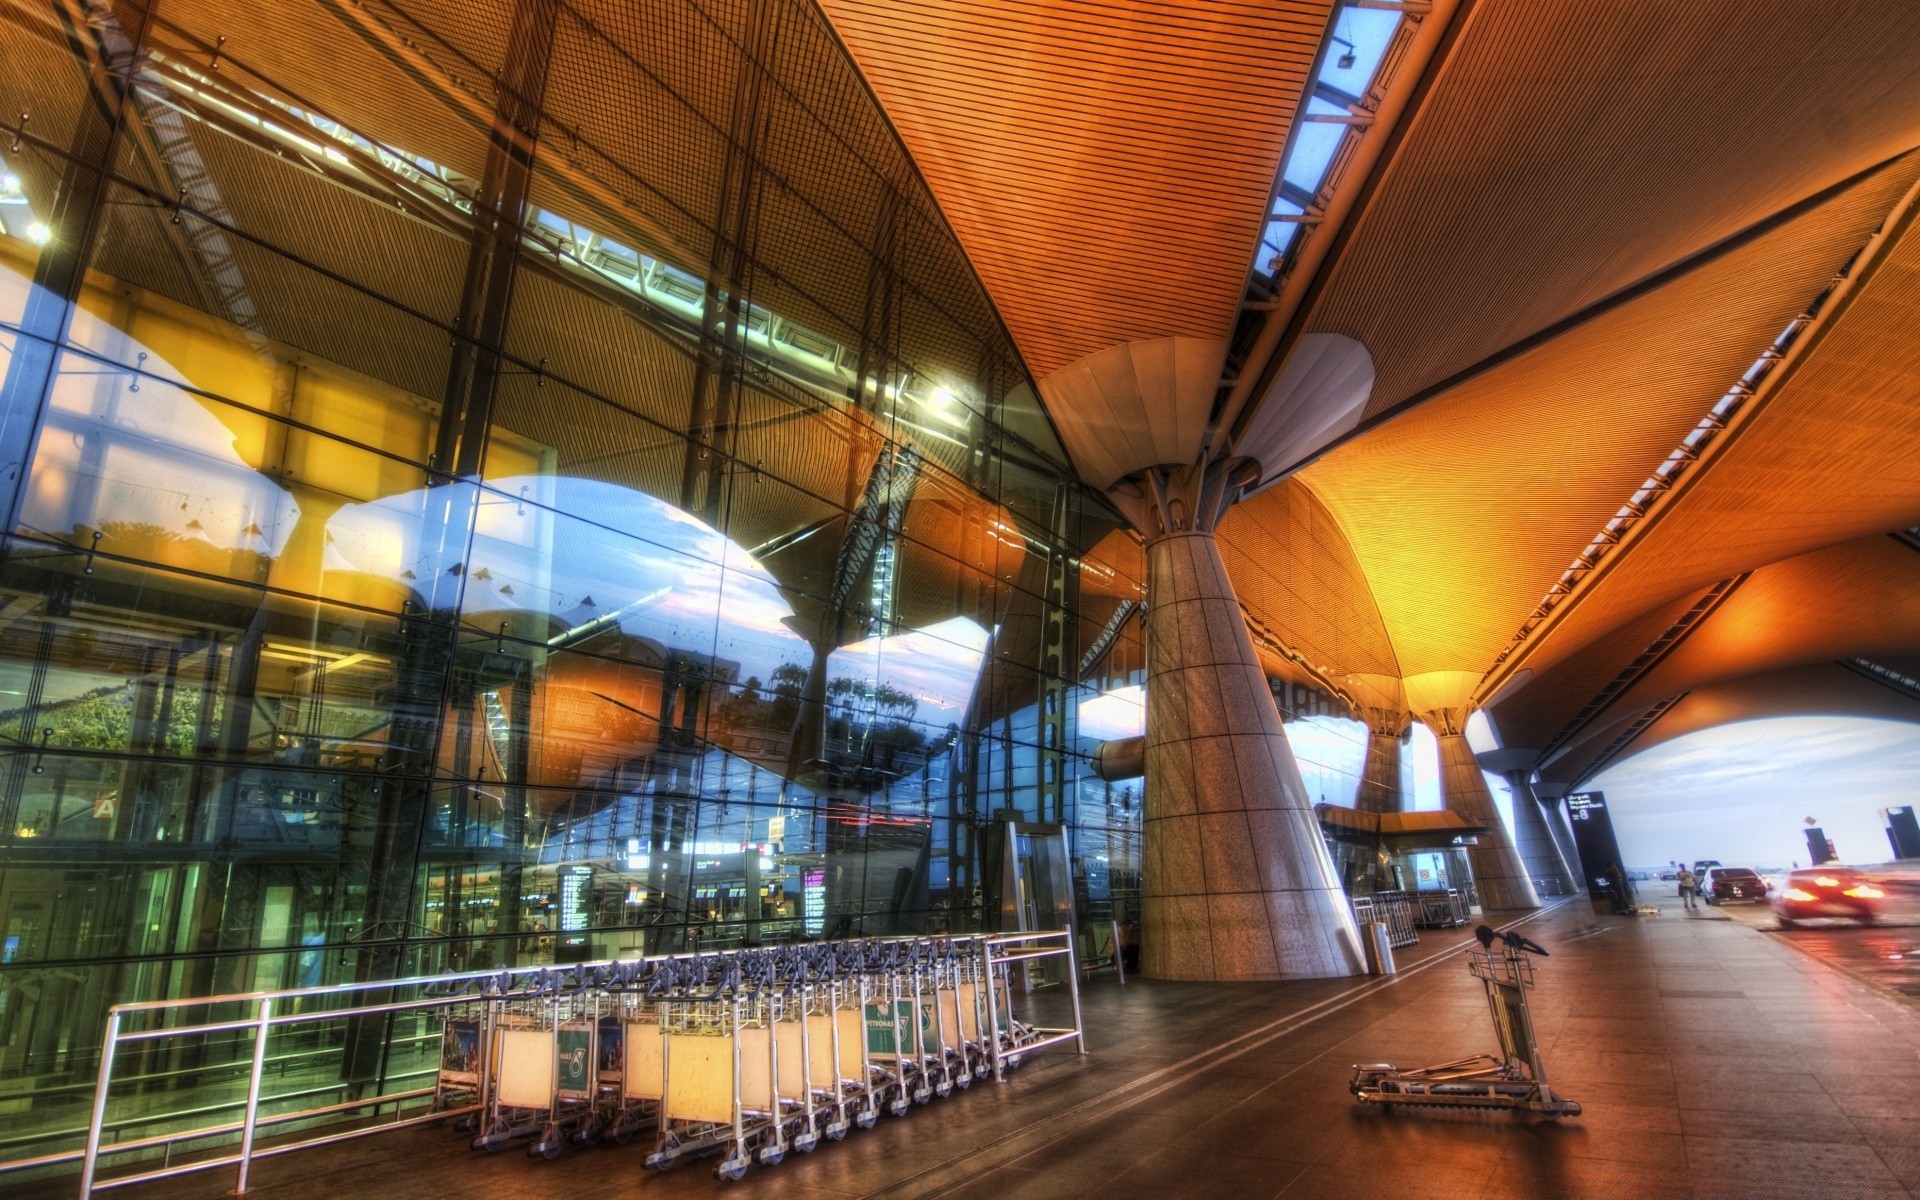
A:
(1725, 885)
(1828, 892)
(1700, 868)
(1669, 876)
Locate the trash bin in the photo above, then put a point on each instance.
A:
(1379, 949)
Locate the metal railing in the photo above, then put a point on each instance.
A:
(1018, 1037)
(264, 1012)
(1396, 910)
(399, 1100)
(1444, 910)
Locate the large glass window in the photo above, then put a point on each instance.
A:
(489, 494)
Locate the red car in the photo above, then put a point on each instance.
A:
(1828, 892)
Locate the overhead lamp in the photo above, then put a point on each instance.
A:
(39, 234)
(1345, 61)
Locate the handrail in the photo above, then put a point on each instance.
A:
(280, 1009)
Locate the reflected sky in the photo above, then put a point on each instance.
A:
(937, 666)
(1741, 793)
(669, 585)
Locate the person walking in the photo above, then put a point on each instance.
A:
(1688, 885)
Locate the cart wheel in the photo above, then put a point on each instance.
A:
(944, 1090)
(494, 1139)
(466, 1124)
(621, 1133)
(732, 1170)
(770, 1156)
(963, 1079)
(866, 1119)
(837, 1131)
(588, 1135)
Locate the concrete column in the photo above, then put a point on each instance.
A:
(1555, 812)
(1238, 884)
(1498, 874)
(1534, 838)
(1380, 780)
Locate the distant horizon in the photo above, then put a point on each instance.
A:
(1741, 793)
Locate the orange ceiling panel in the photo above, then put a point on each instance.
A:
(1105, 164)
(1835, 454)
(1465, 510)
(1857, 599)
(1568, 149)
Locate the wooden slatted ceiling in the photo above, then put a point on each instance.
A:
(1572, 148)
(1834, 455)
(1823, 688)
(1533, 715)
(1867, 595)
(1105, 164)
(1314, 596)
(1464, 511)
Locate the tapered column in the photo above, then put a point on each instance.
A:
(1555, 812)
(1238, 883)
(1498, 873)
(1534, 839)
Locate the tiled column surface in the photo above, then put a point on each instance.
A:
(1498, 874)
(1534, 839)
(1380, 782)
(1238, 884)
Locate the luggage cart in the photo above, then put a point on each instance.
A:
(707, 1077)
(462, 1080)
(1517, 1080)
(544, 1064)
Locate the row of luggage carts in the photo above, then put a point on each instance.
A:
(749, 1054)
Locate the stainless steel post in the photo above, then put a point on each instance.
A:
(253, 1093)
(993, 1013)
(92, 1159)
(1119, 955)
(1073, 981)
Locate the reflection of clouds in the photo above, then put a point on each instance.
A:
(1331, 753)
(158, 458)
(937, 665)
(1109, 716)
(1741, 792)
(673, 579)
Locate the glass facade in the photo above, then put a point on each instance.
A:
(503, 484)
(510, 483)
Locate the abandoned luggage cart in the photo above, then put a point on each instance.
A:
(1516, 1080)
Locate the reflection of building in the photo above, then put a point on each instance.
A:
(475, 494)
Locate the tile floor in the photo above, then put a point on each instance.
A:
(1712, 1060)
